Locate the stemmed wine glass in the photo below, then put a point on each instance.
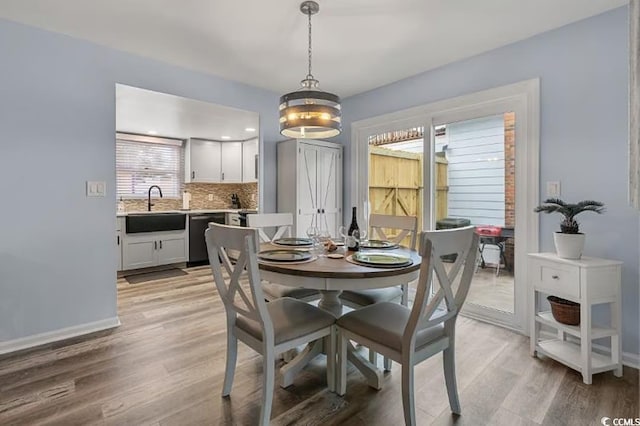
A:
(360, 235)
(313, 232)
(343, 231)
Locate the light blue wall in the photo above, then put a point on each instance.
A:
(583, 69)
(57, 123)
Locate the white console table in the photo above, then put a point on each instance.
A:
(588, 281)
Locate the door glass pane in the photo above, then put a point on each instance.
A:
(396, 175)
(474, 170)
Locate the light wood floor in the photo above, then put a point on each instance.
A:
(164, 366)
(491, 291)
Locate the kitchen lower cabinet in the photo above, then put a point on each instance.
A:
(119, 221)
(139, 252)
(172, 250)
(119, 249)
(153, 249)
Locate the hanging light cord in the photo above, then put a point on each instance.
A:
(309, 75)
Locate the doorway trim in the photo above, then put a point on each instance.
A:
(524, 99)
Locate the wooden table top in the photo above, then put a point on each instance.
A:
(324, 267)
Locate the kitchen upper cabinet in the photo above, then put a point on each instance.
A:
(203, 161)
(231, 157)
(214, 162)
(250, 160)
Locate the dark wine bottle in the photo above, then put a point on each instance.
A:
(353, 244)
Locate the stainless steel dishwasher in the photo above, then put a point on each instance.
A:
(198, 223)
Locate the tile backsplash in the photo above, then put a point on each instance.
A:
(221, 193)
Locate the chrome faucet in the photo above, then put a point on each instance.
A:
(149, 196)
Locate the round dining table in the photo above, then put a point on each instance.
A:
(331, 277)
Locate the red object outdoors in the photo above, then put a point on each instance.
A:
(488, 230)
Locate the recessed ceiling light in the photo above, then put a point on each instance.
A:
(249, 129)
(152, 132)
(225, 137)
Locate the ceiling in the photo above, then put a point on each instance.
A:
(358, 44)
(151, 113)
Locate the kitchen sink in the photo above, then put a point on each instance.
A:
(155, 222)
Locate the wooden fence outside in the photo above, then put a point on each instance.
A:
(396, 184)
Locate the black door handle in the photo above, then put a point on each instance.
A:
(118, 239)
(193, 175)
(155, 245)
(160, 244)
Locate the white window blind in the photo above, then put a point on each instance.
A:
(142, 164)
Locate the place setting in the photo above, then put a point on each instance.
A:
(379, 259)
(291, 250)
(288, 256)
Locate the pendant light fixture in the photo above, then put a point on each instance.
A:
(310, 112)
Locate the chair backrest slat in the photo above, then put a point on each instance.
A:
(238, 296)
(427, 311)
(281, 221)
(407, 225)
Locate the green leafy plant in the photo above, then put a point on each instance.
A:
(569, 225)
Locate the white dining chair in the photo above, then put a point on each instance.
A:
(268, 328)
(409, 336)
(281, 223)
(407, 227)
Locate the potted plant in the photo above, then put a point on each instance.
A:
(569, 241)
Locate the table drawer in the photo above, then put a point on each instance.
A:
(560, 280)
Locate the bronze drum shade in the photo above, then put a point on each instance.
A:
(310, 114)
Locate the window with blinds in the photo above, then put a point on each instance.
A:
(146, 162)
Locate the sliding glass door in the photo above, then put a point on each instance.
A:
(467, 161)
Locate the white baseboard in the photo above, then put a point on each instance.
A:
(628, 359)
(57, 335)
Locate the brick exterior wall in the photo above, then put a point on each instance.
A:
(509, 180)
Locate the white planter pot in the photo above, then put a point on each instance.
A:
(569, 246)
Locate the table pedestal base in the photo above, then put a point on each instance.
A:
(296, 365)
(331, 302)
(368, 370)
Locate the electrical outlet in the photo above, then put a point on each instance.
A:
(210, 197)
(96, 188)
(553, 189)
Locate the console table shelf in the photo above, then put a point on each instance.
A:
(588, 281)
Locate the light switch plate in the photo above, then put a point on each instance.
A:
(553, 189)
(96, 188)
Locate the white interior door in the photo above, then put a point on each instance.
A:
(307, 188)
(328, 189)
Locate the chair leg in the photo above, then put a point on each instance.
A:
(230, 368)
(405, 295)
(373, 357)
(331, 360)
(449, 364)
(387, 364)
(408, 402)
(341, 376)
(268, 379)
